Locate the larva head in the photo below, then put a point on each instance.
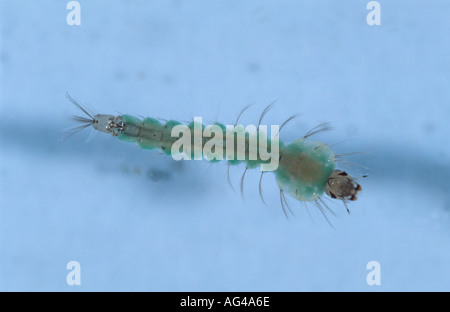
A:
(103, 123)
(342, 186)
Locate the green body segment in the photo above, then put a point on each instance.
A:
(304, 165)
(304, 169)
(150, 133)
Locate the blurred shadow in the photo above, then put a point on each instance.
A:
(41, 139)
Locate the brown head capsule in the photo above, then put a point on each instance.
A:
(342, 186)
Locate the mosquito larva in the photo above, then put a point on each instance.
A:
(306, 168)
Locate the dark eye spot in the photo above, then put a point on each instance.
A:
(343, 173)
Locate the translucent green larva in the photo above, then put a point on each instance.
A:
(304, 169)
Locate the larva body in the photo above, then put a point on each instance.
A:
(305, 168)
(304, 165)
